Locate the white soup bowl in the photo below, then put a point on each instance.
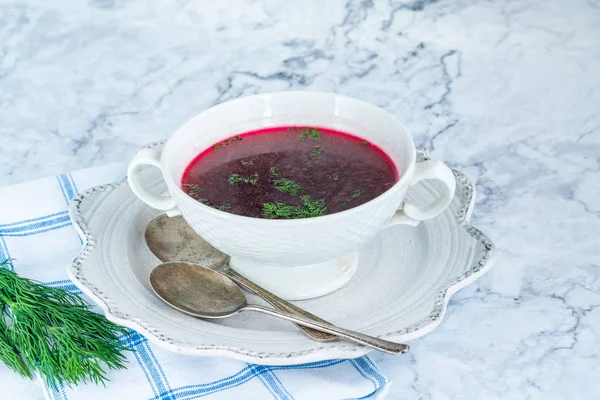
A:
(298, 258)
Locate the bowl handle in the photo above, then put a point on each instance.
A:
(151, 157)
(410, 214)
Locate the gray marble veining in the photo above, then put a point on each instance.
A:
(506, 91)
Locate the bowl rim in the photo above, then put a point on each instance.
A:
(403, 180)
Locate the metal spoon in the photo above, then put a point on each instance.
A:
(172, 239)
(204, 293)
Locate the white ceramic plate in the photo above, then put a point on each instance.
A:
(400, 291)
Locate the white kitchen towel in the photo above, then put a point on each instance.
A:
(36, 234)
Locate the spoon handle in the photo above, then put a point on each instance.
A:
(280, 304)
(376, 343)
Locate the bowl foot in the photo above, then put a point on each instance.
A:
(301, 282)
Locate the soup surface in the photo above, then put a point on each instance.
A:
(289, 172)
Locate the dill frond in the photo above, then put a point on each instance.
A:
(52, 331)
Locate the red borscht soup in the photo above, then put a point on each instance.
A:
(288, 173)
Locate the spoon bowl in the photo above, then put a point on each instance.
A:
(196, 290)
(172, 239)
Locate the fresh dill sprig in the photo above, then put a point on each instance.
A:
(235, 178)
(285, 185)
(333, 177)
(51, 331)
(317, 150)
(308, 209)
(353, 196)
(364, 142)
(310, 133)
(246, 163)
(11, 356)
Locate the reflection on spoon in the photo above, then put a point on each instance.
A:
(204, 293)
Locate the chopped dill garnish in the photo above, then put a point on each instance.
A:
(317, 150)
(246, 163)
(364, 142)
(310, 133)
(223, 207)
(192, 189)
(308, 209)
(311, 208)
(333, 177)
(235, 178)
(285, 185)
(353, 196)
(279, 210)
(227, 142)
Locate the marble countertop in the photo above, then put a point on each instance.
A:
(506, 91)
